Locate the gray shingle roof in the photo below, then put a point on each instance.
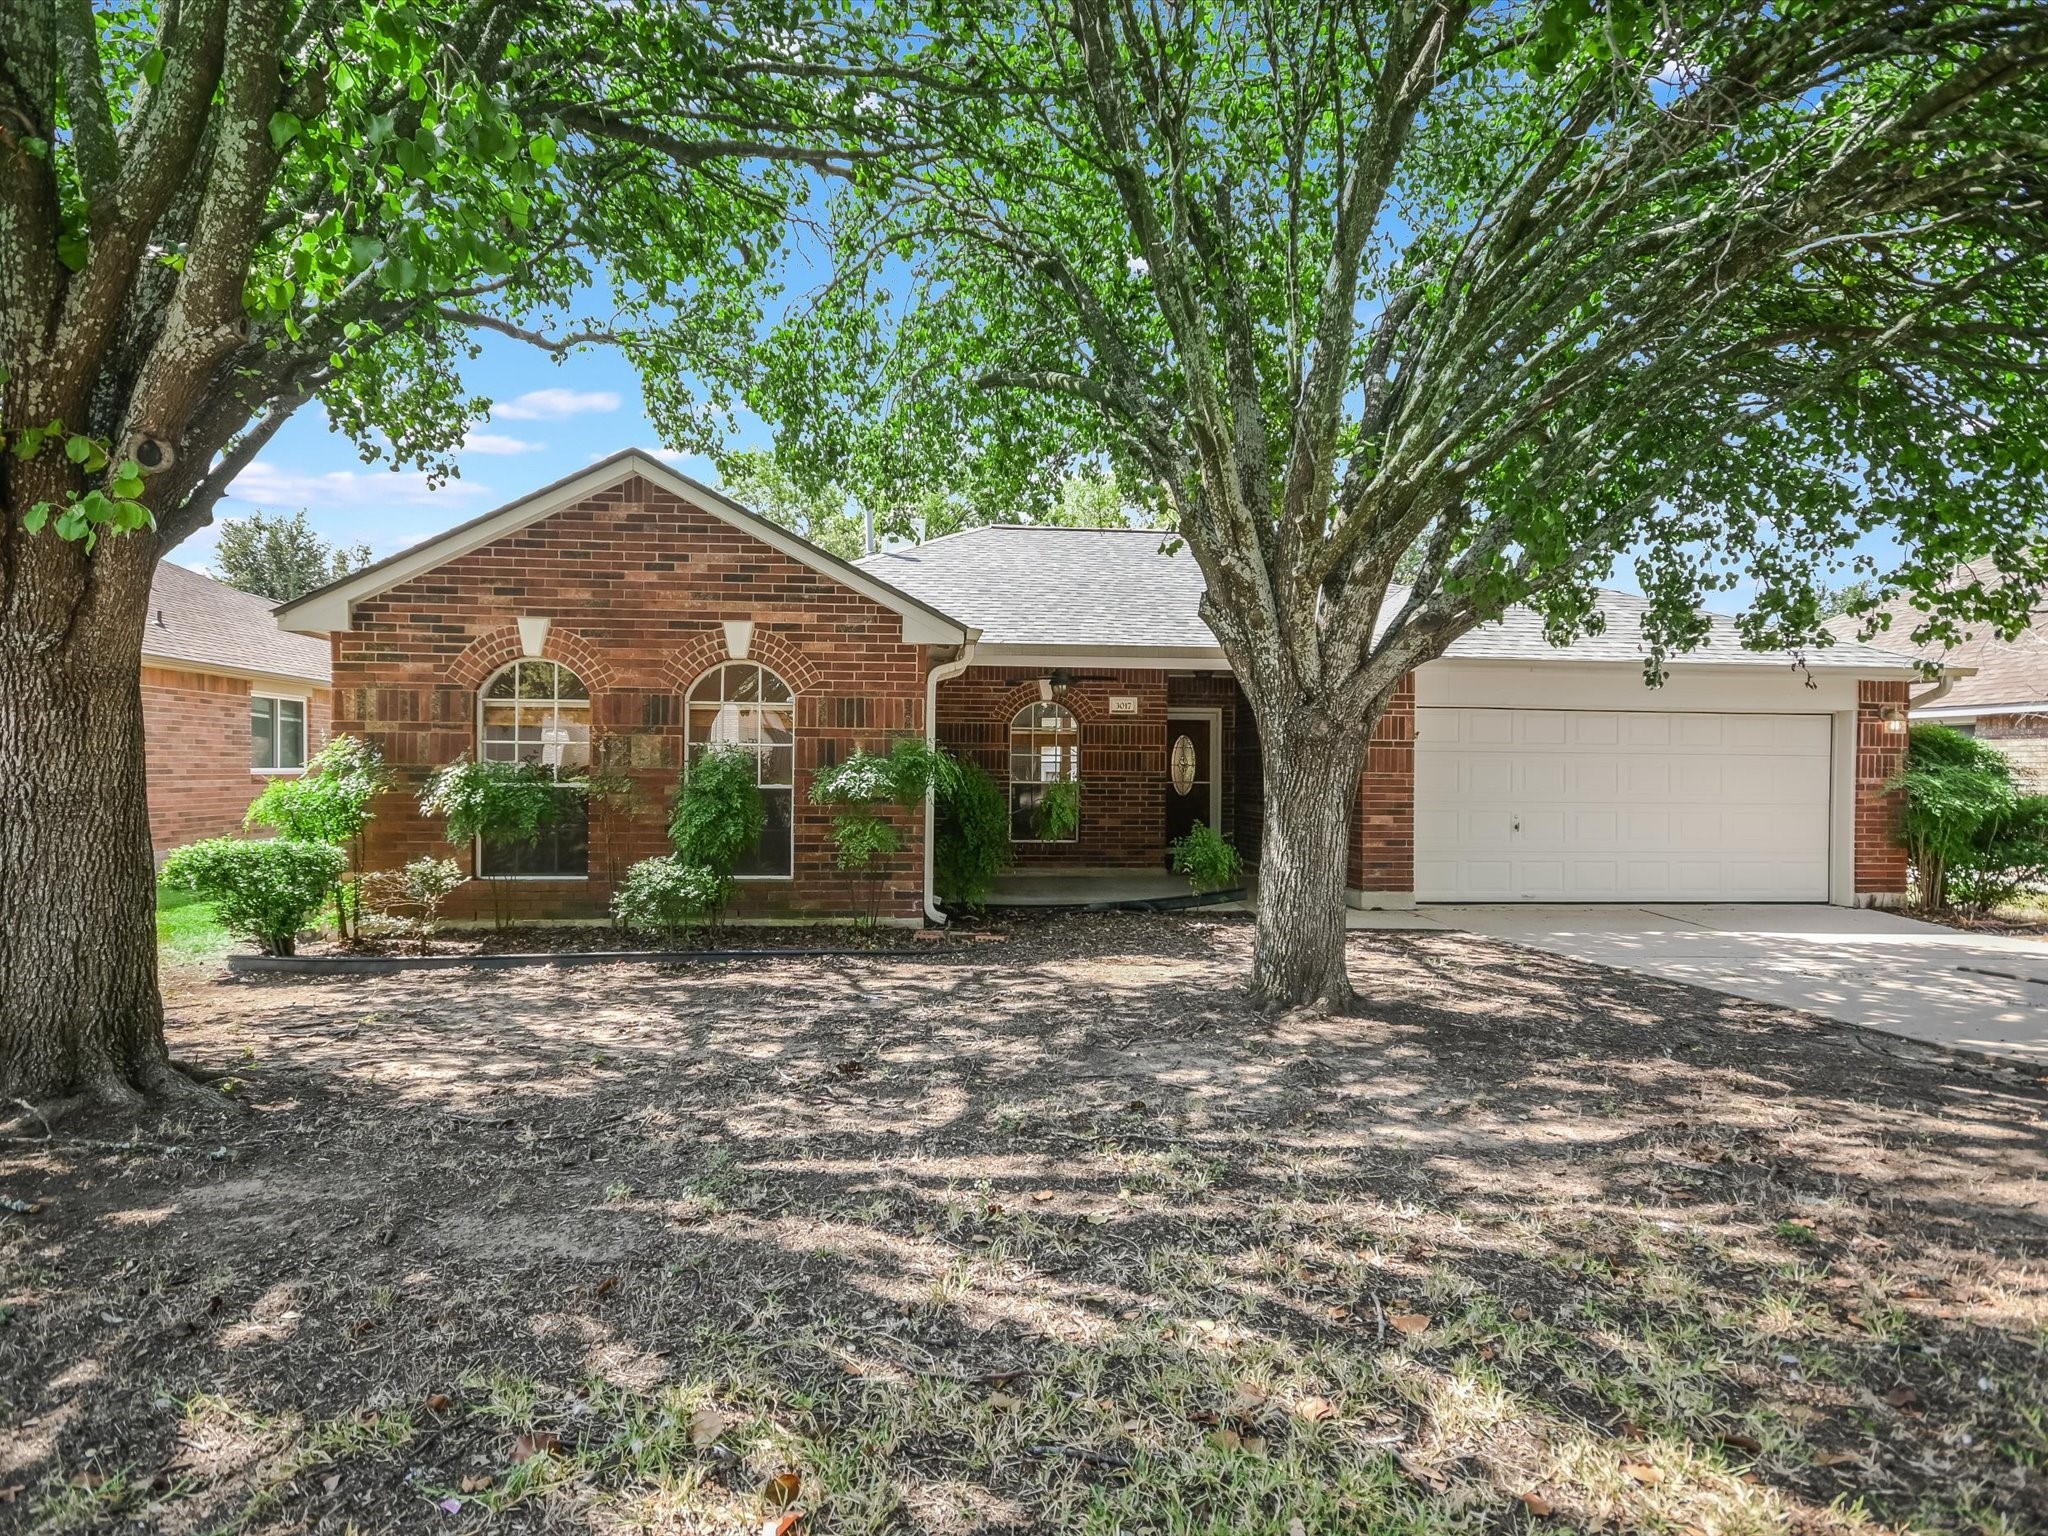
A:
(1116, 587)
(1056, 586)
(195, 621)
(2008, 671)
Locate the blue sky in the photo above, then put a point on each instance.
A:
(550, 419)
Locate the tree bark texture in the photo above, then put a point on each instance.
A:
(79, 1008)
(1311, 794)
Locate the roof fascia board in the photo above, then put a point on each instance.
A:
(295, 680)
(1972, 711)
(330, 608)
(1903, 668)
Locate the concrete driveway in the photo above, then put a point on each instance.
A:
(1980, 991)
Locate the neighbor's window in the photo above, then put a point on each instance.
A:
(1045, 748)
(539, 712)
(277, 734)
(743, 704)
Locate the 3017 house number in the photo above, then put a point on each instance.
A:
(1183, 762)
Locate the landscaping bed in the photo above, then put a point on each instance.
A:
(1045, 1234)
(556, 938)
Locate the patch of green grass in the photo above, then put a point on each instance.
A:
(187, 929)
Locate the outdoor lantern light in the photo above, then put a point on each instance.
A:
(1894, 719)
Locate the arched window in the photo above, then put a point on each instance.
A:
(743, 704)
(1045, 749)
(539, 712)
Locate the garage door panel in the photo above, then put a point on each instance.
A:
(1561, 805)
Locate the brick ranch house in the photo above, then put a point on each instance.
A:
(627, 616)
(227, 703)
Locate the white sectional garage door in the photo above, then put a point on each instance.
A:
(1592, 805)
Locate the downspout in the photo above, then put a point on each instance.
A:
(1937, 692)
(932, 679)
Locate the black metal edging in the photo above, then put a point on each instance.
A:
(390, 965)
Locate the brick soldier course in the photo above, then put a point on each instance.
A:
(640, 582)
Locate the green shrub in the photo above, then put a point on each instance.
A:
(269, 889)
(972, 846)
(1207, 859)
(422, 886)
(497, 802)
(719, 811)
(1959, 796)
(1057, 815)
(860, 779)
(2008, 860)
(667, 895)
(329, 803)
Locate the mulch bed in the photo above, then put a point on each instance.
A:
(1046, 1232)
(559, 938)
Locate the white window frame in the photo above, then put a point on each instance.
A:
(691, 706)
(305, 733)
(555, 700)
(1010, 731)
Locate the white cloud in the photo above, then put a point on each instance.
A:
(285, 490)
(498, 443)
(553, 404)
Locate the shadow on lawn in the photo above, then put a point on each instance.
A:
(1049, 1234)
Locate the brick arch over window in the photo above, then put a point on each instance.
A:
(497, 647)
(1084, 709)
(692, 660)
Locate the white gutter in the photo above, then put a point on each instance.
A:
(1938, 691)
(932, 679)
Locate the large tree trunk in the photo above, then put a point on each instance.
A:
(79, 1008)
(1311, 794)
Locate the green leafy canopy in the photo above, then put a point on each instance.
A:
(1495, 297)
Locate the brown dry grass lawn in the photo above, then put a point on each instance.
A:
(1044, 1233)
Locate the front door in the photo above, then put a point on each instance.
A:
(1190, 774)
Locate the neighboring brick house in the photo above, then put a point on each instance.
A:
(1996, 690)
(626, 617)
(227, 703)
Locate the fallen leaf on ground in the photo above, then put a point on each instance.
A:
(1536, 1504)
(1040, 1196)
(706, 1425)
(1643, 1473)
(331, 1482)
(1902, 1397)
(781, 1490)
(88, 1479)
(1315, 1409)
(606, 1286)
(1002, 1400)
(537, 1443)
(1408, 1322)
(1736, 1440)
(782, 1524)
(437, 1402)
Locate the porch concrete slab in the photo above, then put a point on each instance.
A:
(1981, 992)
(1083, 888)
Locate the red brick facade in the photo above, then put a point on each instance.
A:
(196, 748)
(1123, 767)
(1880, 754)
(1383, 828)
(637, 585)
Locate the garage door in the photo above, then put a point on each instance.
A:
(1571, 805)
